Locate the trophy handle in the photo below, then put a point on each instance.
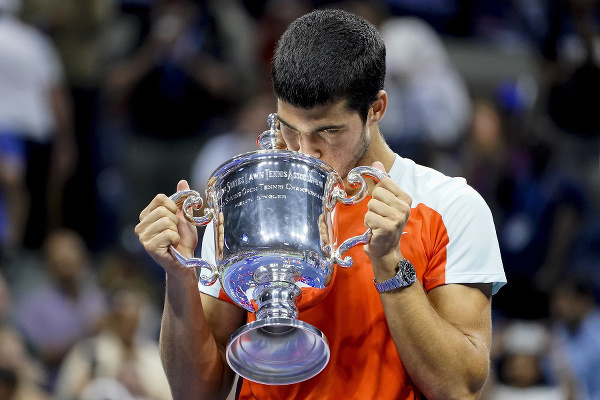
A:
(190, 200)
(355, 179)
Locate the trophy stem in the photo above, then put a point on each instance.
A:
(276, 293)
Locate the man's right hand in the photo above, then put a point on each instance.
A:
(162, 224)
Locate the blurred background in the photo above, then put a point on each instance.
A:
(105, 103)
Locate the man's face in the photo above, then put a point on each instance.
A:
(331, 133)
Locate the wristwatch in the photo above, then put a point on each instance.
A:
(405, 276)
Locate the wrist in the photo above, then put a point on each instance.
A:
(384, 267)
(178, 274)
(405, 276)
(173, 262)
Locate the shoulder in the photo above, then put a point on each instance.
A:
(30, 45)
(458, 221)
(221, 142)
(24, 34)
(216, 151)
(435, 190)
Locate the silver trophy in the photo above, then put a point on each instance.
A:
(274, 217)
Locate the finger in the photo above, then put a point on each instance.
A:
(385, 203)
(379, 223)
(388, 185)
(390, 215)
(383, 209)
(182, 185)
(221, 224)
(164, 213)
(158, 201)
(378, 165)
(159, 212)
(383, 194)
(162, 241)
(153, 227)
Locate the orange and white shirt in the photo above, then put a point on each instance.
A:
(449, 238)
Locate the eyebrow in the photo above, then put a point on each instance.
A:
(319, 129)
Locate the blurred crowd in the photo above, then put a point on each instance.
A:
(105, 103)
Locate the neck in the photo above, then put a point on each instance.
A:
(378, 150)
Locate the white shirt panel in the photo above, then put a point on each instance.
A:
(473, 253)
(208, 254)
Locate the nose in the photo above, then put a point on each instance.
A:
(309, 146)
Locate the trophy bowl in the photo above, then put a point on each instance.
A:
(274, 220)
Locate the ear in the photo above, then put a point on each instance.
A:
(377, 110)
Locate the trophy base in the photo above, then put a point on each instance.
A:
(277, 351)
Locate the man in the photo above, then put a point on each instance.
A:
(66, 307)
(576, 344)
(117, 359)
(37, 144)
(430, 338)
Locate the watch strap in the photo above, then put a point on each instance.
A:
(405, 276)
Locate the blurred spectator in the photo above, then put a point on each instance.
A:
(576, 339)
(13, 194)
(485, 153)
(119, 268)
(430, 106)
(19, 374)
(273, 20)
(172, 91)
(67, 307)
(374, 11)
(572, 55)
(21, 378)
(5, 300)
(520, 373)
(438, 13)
(8, 384)
(78, 29)
(250, 122)
(586, 257)
(108, 389)
(116, 359)
(239, 45)
(541, 211)
(37, 151)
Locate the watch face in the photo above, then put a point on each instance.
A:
(409, 273)
(405, 276)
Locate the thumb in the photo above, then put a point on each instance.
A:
(378, 165)
(182, 185)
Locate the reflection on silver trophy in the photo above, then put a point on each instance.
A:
(274, 227)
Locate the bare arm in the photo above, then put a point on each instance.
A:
(194, 331)
(194, 328)
(443, 337)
